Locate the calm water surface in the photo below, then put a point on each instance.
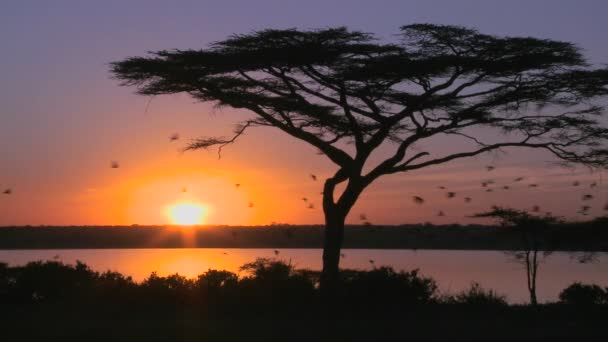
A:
(453, 270)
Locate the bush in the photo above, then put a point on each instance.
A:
(214, 280)
(215, 288)
(584, 294)
(477, 296)
(166, 290)
(384, 286)
(113, 287)
(4, 281)
(273, 282)
(52, 281)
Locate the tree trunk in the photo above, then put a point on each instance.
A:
(334, 235)
(335, 215)
(531, 268)
(533, 300)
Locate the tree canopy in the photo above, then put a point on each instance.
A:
(335, 85)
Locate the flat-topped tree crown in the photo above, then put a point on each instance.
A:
(335, 86)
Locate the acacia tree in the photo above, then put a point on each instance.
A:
(534, 247)
(347, 94)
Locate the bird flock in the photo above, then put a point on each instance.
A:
(488, 185)
(584, 209)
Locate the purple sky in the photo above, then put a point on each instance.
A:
(62, 119)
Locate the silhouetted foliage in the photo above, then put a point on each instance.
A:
(51, 281)
(53, 300)
(169, 289)
(4, 281)
(584, 294)
(335, 86)
(384, 288)
(275, 283)
(477, 296)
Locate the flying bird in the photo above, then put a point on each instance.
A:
(506, 187)
(587, 257)
(173, 137)
(467, 199)
(486, 183)
(440, 213)
(114, 164)
(418, 199)
(313, 177)
(593, 185)
(363, 217)
(250, 204)
(7, 191)
(276, 252)
(237, 185)
(441, 187)
(450, 194)
(532, 185)
(576, 183)
(584, 210)
(587, 197)
(489, 190)
(304, 199)
(311, 206)
(518, 179)
(490, 168)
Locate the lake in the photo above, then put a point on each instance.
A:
(454, 270)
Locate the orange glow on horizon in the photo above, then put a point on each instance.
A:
(187, 196)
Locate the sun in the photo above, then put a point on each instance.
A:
(187, 214)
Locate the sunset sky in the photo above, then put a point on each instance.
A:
(63, 119)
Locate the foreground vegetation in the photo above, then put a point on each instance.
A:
(273, 300)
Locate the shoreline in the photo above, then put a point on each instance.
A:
(568, 238)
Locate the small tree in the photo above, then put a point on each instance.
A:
(347, 94)
(530, 228)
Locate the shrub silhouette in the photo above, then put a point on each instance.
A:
(167, 290)
(584, 294)
(275, 282)
(268, 286)
(477, 296)
(215, 281)
(113, 287)
(384, 287)
(273, 300)
(215, 289)
(52, 281)
(4, 281)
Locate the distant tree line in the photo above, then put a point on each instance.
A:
(589, 236)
